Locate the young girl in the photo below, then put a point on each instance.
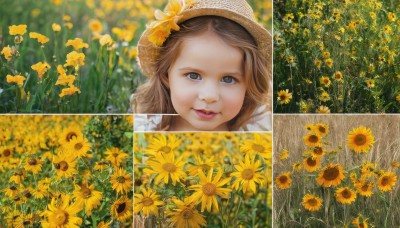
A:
(209, 62)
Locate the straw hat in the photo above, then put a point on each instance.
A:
(238, 11)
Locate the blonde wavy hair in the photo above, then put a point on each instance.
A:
(153, 97)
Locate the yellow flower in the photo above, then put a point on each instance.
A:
(95, 26)
(325, 81)
(17, 29)
(360, 222)
(115, 156)
(87, 196)
(338, 76)
(360, 139)
(7, 52)
(317, 63)
(65, 165)
(312, 202)
(62, 214)
(33, 164)
(247, 174)
(345, 195)
(41, 68)
(18, 79)
(121, 181)
(370, 83)
(312, 140)
(77, 43)
(69, 91)
(56, 27)
(166, 167)
(391, 17)
(284, 154)
(312, 163)
(57, 2)
(332, 175)
(324, 97)
(159, 35)
(208, 190)
(323, 110)
(284, 96)
(364, 188)
(106, 40)
(123, 34)
(387, 181)
(147, 202)
(67, 17)
(40, 38)
(75, 59)
(65, 80)
(283, 181)
(185, 215)
(329, 62)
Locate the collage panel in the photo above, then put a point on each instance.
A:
(336, 56)
(336, 171)
(66, 171)
(202, 179)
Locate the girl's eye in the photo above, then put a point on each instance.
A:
(229, 80)
(193, 76)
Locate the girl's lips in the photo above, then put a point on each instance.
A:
(205, 114)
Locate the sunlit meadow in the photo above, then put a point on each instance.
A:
(203, 180)
(75, 56)
(66, 171)
(334, 56)
(336, 171)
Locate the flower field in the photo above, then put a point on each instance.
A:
(202, 179)
(336, 171)
(337, 56)
(75, 56)
(66, 171)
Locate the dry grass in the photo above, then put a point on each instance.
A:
(382, 209)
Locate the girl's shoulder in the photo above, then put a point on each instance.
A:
(260, 121)
(146, 122)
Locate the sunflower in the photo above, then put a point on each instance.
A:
(163, 144)
(185, 215)
(70, 133)
(312, 202)
(387, 181)
(321, 129)
(115, 156)
(121, 181)
(33, 164)
(312, 163)
(247, 174)
(87, 196)
(201, 163)
(121, 209)
(325, 81)
(312, 140)
(78, 147)
(360, 222)
(18, 176)
(61, 214)
(65, 165)
(297, 166)
(284, 96)
(345, 195)
(284, 180)
(166, 167)
(147, 202)
(364, 188)
(208, 190)
(284, 154)
(39, 193)
(11, 191)
(332, 175)
(260, 145)
(368, 169)
(360, 139)
(6, 153)
(323, 110)
(318, 151)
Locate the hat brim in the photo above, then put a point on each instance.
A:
(149, 52)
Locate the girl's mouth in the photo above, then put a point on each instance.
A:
(205, 114)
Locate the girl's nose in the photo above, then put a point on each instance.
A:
(209, 92)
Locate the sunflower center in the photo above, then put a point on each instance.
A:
(27, 194)
(385, 181)
(63, 165)
(169, 167)
(6, 152)
(283, 179)
(25, 223)
(360, 140)
(364, 188)
(205, 167)
(331, 173)
(78, 146)
(247, 174)
(209, 189)
(187, 213)
(147, 201)
(322, 129)
(86, 192)
(311, 162)
(361, 225)
(312, 202)
(257, 147)
(346, 194)
(115, 154)
(318, 150)
(313, 138)
(13, 188)
(61, 217)
(32, 161)
(165, 149)
(70, 136)
(121, 179)
(282, 97)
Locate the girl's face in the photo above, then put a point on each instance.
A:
(207, 83)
